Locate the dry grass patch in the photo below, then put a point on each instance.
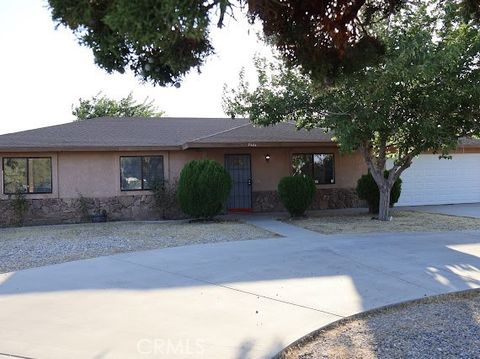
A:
(403, 221)
(27, 247)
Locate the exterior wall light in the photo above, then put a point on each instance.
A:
(267, 157)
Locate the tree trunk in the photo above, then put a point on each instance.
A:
(376, 165)
(384, 203)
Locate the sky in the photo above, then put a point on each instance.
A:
(43, 71)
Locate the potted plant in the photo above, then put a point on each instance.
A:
(99, 216)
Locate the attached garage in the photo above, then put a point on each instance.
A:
(431, 180)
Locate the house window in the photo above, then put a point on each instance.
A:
(140, 172)
(27, 175)
(319, 166)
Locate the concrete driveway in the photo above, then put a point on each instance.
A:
(464, 210)
(229, 300)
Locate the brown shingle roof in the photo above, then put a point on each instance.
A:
(282, 133)
(164, 133)
(152, 133)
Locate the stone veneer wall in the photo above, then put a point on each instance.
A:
(269, 201)
(56, 211)
(143, 207)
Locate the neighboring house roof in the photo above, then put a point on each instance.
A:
(469, 142)
(165, 133)
(156, 133)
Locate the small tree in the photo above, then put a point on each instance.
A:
(203, 188)
(367, 189)
(423, 96)
(296, 193)
(102, 106)
(166, 198)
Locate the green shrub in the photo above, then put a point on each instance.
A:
(20, 206)
(84, 207)
(203, 188)
(296, 193)
(166, 199)
(367, 190)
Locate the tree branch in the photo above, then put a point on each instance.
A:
(397, 170)
(382, 155)
(375, 172)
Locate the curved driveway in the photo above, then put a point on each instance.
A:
(229, 300)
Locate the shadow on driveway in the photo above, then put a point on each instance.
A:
(241, 299)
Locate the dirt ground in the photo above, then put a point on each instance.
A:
(27, 247)
(337, 222)
(446, 326)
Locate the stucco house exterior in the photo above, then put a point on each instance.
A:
(113, 162)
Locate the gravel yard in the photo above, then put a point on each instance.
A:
(28, 247)
(353, 221)
(446, 326)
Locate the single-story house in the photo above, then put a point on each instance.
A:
(113, 162)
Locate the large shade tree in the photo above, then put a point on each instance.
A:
(424, 94)
(103, 106)
(161, 40)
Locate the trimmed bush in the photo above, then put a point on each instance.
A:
(296, 193)
(203, 188)
(367, 190)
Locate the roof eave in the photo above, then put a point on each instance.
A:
(15, 149)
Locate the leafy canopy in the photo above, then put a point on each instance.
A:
(102, 106)
(424, 94)
(161, 40)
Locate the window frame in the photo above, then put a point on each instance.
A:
(28, 173)
(142, 180)
(312, 154)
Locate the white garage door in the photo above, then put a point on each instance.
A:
(431, 180)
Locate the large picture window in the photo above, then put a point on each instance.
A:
(140, 172)
(319, 166)
(27, 175)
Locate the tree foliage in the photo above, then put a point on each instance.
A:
(424, 95)
(324, 37)
(102, 106)
(203, 188)
(161, 40)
